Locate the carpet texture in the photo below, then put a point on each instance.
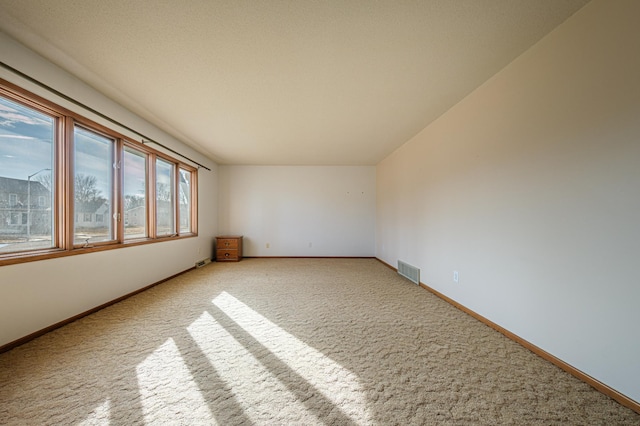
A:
(289, 342)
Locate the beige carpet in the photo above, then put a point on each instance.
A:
(289, 342)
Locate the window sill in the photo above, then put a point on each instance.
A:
(33, 256)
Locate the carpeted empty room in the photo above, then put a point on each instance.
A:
(203, 205)
(289, 341)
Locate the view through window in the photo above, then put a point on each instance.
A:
(26, 164)
(165, 198)
(135, 194)
(185, 200)
(69, 185)
(93, 187)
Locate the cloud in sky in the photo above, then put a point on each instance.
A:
(27, 146)
(26, 140)
(16, 136)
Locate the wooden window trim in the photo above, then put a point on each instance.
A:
(62, 199)
(115, 191)
(193, 194)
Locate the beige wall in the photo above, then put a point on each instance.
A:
(530, 188)
(300, 211)
(36, 295)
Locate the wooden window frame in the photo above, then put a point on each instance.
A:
(173, 199)
(193, 197)
(106, 133)
(148, 169)
(62, 199)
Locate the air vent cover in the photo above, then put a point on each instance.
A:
(201, 263)
(409, 272)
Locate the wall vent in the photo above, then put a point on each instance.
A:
(201, 263)
(409, 272)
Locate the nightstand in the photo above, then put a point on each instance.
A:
(229, 248)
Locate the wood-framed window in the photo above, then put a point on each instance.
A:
(135, 173)
(165, 198)
(69, 185)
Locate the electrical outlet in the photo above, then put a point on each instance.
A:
(268, 245)
(310, 245)
(456, 276)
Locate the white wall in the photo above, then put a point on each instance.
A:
(299, 210)
(530, 188)
(35, 295)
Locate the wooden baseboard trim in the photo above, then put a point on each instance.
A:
(387, 265)
(21, 341)
(596, 384)
(308, 257)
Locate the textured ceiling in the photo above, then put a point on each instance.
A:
(335, 82)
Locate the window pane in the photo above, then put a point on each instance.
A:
(165, 196)
(93, 187)
(135, 194)
(27, 139)
(185, 201)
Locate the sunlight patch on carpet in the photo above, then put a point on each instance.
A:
(263, 398)
(335, 382)
(167, 388)
(99, 416)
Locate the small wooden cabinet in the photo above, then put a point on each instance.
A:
(229, 248)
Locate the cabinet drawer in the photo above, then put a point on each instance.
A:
(226, 254)
(227, 243)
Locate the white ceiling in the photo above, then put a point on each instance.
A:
(300, 82)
